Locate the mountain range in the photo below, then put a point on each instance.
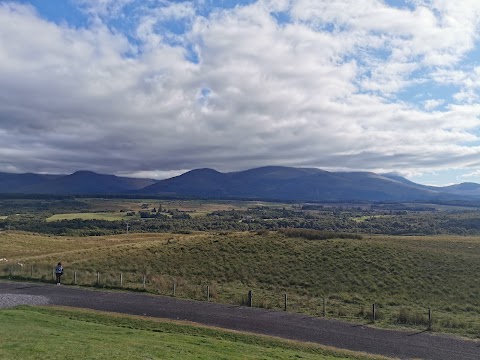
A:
(269, 183)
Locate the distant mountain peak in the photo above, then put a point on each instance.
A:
(205, 171)
(465, 186)
(85, 173)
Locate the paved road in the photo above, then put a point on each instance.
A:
(404, 345)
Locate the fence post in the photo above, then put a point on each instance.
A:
(75, 277)
(429, 320)
(98, 277)
(121, 279)
(373, 313)
(250, 298)
(208, 293)
(324, 308)
(285, 299)
(174, 288)
(53, 274)
(31, 271)
(144, 280)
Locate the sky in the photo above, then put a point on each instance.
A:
(154, 88)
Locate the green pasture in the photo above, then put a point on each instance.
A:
(61, 333)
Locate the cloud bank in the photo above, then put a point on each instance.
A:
(160, 87)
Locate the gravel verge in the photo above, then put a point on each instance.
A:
(10, 300)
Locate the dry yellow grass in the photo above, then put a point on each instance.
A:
(28, 247)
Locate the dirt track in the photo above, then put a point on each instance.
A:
(404, 345)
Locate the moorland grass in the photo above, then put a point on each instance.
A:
(403, 276)
(62, 333)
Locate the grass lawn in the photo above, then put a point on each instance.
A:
(62, 333)
(3, 217)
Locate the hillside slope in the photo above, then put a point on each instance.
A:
(80, 182)
(284, 183)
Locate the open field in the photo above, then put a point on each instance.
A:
(194, 206)
(109, 216)
(59, 333)
(116, 209)
(404, 276)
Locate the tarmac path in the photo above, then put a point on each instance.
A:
(339, 334)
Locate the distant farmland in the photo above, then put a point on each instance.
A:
(109, 216)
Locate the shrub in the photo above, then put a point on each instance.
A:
(409, 317)
(311, 234)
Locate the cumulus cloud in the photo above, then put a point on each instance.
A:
(237, 87)
(473, 174)
(433, 104)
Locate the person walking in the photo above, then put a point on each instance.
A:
(58, 272)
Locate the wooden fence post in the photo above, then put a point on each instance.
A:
(174, 288)
(144, 281)
(285, 299)
(429, 320)
(374, 315)
(98, 277)
(75, 277)
(324, 308)
(121, 279)
(31, 271)
(250, 298)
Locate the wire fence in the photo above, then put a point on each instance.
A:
(466, 323)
